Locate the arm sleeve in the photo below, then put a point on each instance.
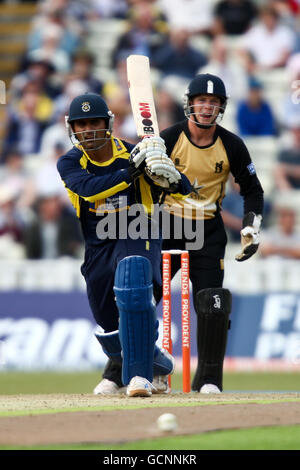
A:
(244, 173)
(88, 186)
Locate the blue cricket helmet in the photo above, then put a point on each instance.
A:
(207, 84)
(88, 106)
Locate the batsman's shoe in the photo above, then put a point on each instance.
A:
(107, 387)
(163, 359)
(160, 383)
(209, 388)
(139, 387)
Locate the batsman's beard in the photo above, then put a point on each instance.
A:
(85, 143)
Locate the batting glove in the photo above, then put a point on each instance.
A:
(159, 164)
(250, 236)
(142, 150)
(154, 144)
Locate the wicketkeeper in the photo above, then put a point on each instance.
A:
(207, 153)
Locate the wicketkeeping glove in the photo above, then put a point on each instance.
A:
(140, 152)
(249, 236)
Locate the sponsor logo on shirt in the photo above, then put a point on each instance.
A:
(251, 169)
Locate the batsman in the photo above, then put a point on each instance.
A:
(207, 153)
(105, 177)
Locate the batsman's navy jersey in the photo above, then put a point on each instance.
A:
(98, 190)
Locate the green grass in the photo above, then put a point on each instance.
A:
(142, 404)
(262, 381)
(262, 438)
(12, 383)
(272, 438)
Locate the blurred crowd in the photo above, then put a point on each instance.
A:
(242, 41)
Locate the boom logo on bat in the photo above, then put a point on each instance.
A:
(146, 118)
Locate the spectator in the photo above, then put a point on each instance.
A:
(51, 50)
(289, 112)
(73, 15)
(124, 125)
(169, 111)
(120, 81)
(178, 57)
(82, 69)
(268, 44)
(225, 66)
(54, 231)
(283, 239)
(110, 8)
(11, 224)
(294, 6)
(254, 115)
(71, 88)
(64, 15)
(14, 176)
(293, 67)
(192, 15)
(115, 93)
(55, 137)
(11, 164)
(46, 177)
(287, 168)
(287, 11)
(146, 32)
(26, 121)
(40, 72)
(234, 17)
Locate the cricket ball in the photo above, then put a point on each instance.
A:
(167, 422)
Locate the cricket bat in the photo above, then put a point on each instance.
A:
(141, 96)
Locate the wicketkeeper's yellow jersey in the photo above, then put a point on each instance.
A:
(208, 169)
